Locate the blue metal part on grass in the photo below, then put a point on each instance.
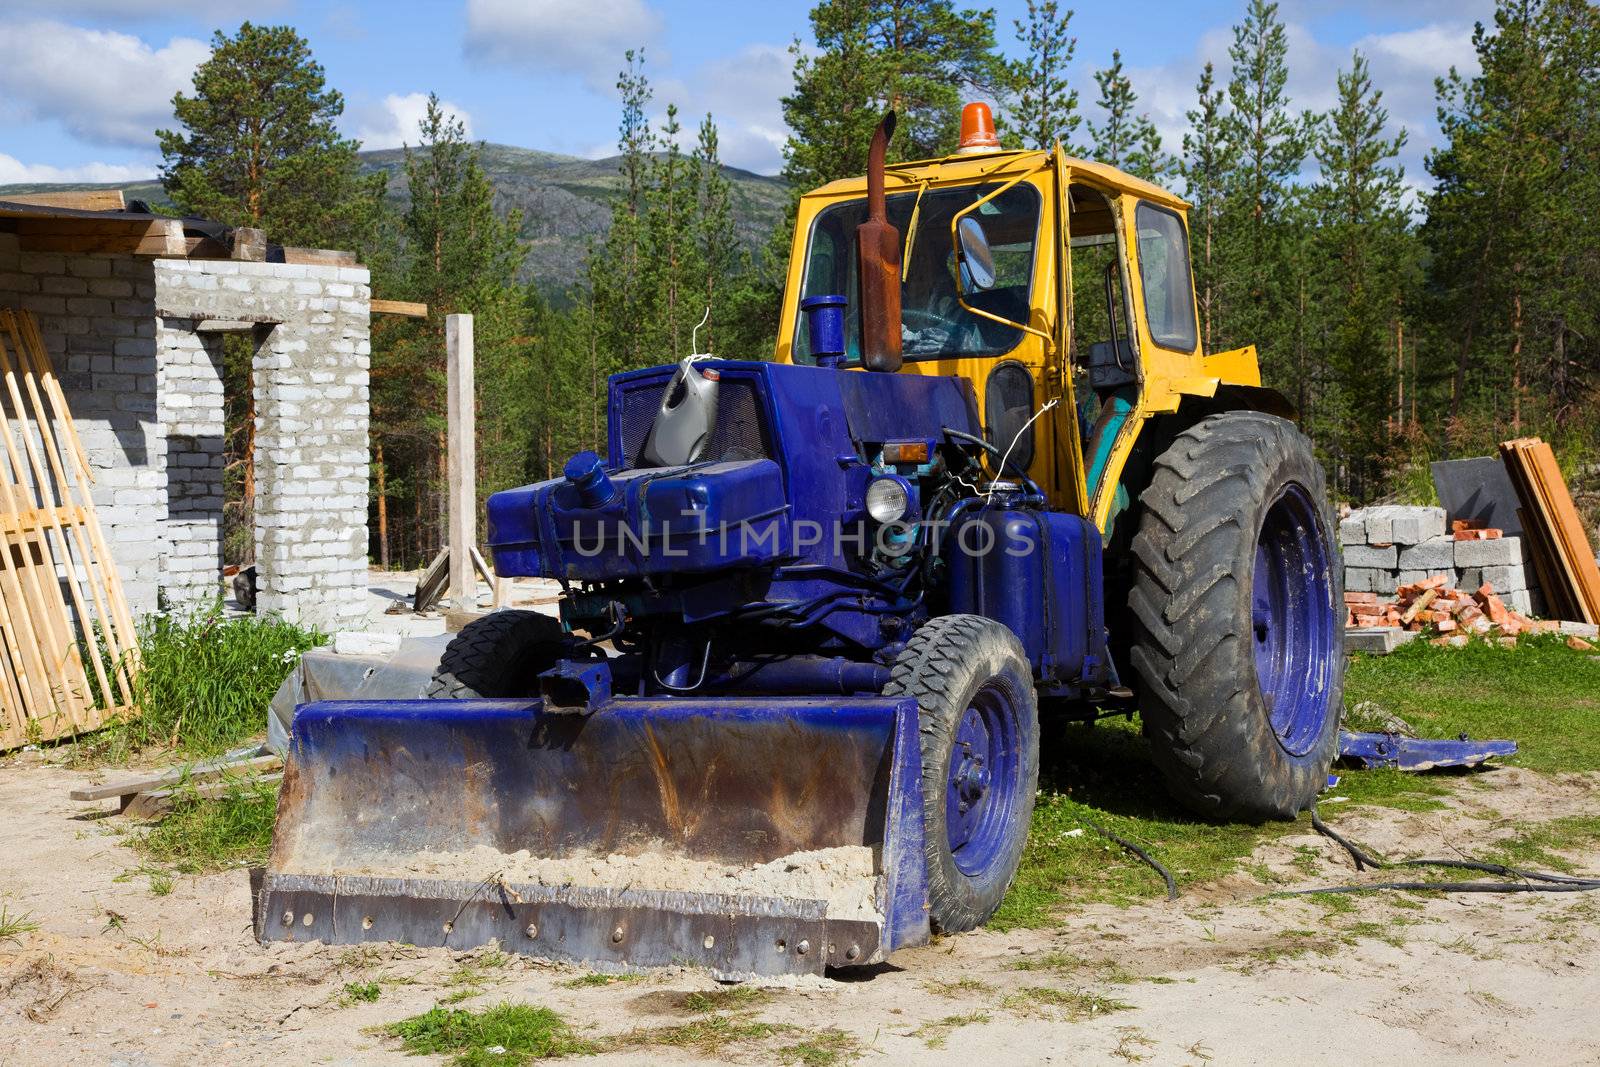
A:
(1293, 621)
(1372, 750)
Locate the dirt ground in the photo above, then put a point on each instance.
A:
(117, 975)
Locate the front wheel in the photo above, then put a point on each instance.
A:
(1239, 619)
(979, 722)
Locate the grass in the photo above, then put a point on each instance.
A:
(198, 836)
(12, 927)
(1541, 693)
(520, 1033)
(205, 683)
(934, 1034)
(596, 979)
(506, 1034)
(1069, 1004)
(361, 992)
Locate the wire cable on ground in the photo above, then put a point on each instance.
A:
(1533, 881)
(1166, 875)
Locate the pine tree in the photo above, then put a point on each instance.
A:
(713, 231)
(1507, 225)
(1265, 145)
(1362, 247)
(259, 147)
(1044, 107)
(919, 57)
(1203, 168)
(1126, 139)
(459, 255)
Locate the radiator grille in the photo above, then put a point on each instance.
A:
(739, 433)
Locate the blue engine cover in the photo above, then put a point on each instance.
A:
(787, 463)
(1038, 572)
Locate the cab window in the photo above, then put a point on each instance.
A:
(934, 325)
(1164, 272)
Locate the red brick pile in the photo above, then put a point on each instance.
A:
(1456, 616)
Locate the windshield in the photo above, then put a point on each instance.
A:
(934, 325)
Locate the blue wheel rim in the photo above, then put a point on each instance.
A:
(983, 781)
(1294, 629)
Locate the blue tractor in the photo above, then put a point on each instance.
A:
(815, 607)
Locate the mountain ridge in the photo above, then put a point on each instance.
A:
(565, 202)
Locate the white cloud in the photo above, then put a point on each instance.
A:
(394, 122)
(1403, 64)
(15, 172)
(587, 37)
(104, 87)
(743, 93)
(142, 9)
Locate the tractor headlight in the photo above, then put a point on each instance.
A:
(888, 498)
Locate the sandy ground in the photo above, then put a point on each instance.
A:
(116, 975)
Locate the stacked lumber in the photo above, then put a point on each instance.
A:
(68, 647)
(1562, 555)
(1454, 615)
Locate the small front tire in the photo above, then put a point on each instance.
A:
(979, 719)
(498, 656)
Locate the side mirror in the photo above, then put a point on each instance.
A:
(973, 254)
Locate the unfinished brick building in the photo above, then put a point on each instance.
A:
(133, 310)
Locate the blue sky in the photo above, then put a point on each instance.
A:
(83, 83)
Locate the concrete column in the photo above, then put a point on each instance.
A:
(460, 403)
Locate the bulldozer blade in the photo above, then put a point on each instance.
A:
(749, 836)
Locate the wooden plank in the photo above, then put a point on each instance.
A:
(76, 199)
(319, 257)
(400, 307)
(461, 456)
(171, 776)
(158, 801)
(1577, 556)
(78, 236)
(249, 245)
(76, 545)
(206, 248)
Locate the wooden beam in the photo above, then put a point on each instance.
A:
(319, 257)
(205, 248)
(462, 460)
(81, 236)
(249, 244)
(76, 200)
(400, 307)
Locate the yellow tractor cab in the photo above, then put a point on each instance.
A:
(1059, 287)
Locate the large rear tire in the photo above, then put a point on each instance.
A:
(498, 656)
(1238, 606)
(980, 761)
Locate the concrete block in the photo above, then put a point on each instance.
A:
(1510, 579)
(1440, 552)
(1586, 630)
(1412, 577)
(1365, 580)
(1520, 600)
(1502, 552)
(1353, 531)
(1370, 556)
(1412, 526)
(1377, 640)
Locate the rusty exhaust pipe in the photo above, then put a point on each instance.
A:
(878, 257)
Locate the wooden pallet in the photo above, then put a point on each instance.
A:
(1563, 556)
(60, 595)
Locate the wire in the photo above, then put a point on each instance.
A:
(1166, 875)
(1543, 881)
(1014, 439)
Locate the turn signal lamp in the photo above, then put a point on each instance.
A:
(977, 130)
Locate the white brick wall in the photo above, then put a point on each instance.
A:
(146, 394)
